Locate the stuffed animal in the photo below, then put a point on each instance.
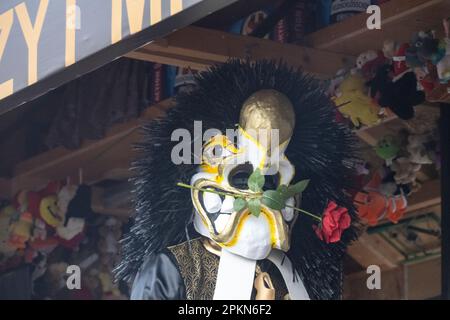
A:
(74, 204)
(110, 233)
(423, 47)
(371, 206)
(20, 231)
(405, 170)
(74, 227)
(399, 61)
(48, 210)
(80, 204)
(396, 208)
(390, 47)
(354, 103)
(65, 196)
(6, 215)
(400, 95)
(443, 65)
(368, 63)
(387, 148)
(417, 149)
(375, 202)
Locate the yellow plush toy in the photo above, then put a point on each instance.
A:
(353, 102)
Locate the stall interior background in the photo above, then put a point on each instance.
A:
(69, 153)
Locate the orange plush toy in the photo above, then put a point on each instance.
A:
(373, 205)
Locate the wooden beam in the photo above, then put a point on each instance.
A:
(392, 286)
(373, 250)
(99, 204)
(199, 48)
(369, 134)
(420, 280)
(400, 18)
(59, 163)
(428, 196)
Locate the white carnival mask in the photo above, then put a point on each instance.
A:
(266, 124)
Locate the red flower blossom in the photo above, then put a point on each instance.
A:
(334, 221)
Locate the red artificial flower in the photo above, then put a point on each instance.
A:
(335, 220)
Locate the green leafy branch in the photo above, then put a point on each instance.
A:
(274, 199)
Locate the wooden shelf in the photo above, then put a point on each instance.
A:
(199, 48)
(107, 158)
(400, 19)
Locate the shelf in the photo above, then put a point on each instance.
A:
(199, 48)
(400, 19)
(89, 159)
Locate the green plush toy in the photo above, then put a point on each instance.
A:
(387, 148)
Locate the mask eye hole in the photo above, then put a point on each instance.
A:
(271, 182)
(238, 177)
(216, 150)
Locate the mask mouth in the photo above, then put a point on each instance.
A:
(218, 208)
(224, 223)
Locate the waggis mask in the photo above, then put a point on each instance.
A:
(266, 124)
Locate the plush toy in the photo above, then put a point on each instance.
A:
(354, 103)
(334, 83)
(80, 205)
(424, 46)
(48, 210)
(396, 208)
(65, 196)
(417, 149)
(368, 63)
(39, 230)
(6, 215)
(429, 81)
(20, 231)
(74, 204)
(371, 206)
(390, 47)
(400, 95)
(387, 148)
(443, 65)
(405, 170)
(73, 227)
(376, 202)
(110, 233)
(399, 61)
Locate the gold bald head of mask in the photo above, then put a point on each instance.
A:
(266, 124)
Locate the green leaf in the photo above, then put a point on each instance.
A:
(254, 205)
(283, 190)
(297, 188)
(256, 181)
(273, 199)
(239, 204)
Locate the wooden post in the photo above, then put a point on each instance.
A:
(445, 196)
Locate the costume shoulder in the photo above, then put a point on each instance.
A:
(158, 279)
